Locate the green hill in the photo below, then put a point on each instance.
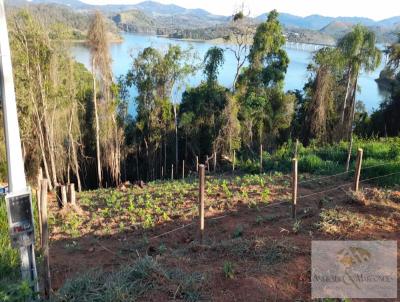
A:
(51, 14)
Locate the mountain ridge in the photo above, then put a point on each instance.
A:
(169, 19)
(314, 21)
(318, 22)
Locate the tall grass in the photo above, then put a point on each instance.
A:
(331, 159)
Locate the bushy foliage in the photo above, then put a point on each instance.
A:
(382, 154)
(205, 105)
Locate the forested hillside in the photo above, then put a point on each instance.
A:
(74, 23)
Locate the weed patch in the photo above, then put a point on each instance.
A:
(339, 221)
(131, 283)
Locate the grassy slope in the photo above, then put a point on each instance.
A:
(164, 201)
(331, 159)
(250, 244)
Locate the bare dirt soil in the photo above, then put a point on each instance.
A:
(265, 252)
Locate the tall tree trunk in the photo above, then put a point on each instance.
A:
(96, 116)
(235, 78)
(72, 152)
(349, 153)
(32, 79)
(47, 139)
(346, 96)
(43, 153)
(352, 114)
(137, 163)
(76, 164)
(186, 139)
(41, 139)
(50, 151)
(165, 157)
(147, 159)
(176, 139)
(52, 147)
(117, 153)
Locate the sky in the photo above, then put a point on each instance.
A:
(374, 9)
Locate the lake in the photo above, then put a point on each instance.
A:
(296, 76)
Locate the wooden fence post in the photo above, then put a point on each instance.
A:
(183, 169)
(215, 161)
(234, 160)
(294, 187)
(201, 199)
(197, 163)
(45, 239)
(71, 194)
(358, 170)
(59, 196)
(261, 159)
(172, 172)
(64, 195)
(162, 172)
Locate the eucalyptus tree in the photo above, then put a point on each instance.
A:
(228, 138)
(213, 60)
(241, 33)
(41, 79)
(49, 92)
(101, 69)
(74, 132)
(177, 65)
(265, 109)
(156, 76)
(31, 56)
(201, 108)
(359, 50)
(268, 61)
(386, 120)
(394, 56)
(322, 91)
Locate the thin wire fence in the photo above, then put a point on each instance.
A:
(341, 173)
(325, 191)
(345, 185)
(322, 192)
(207, 218)
(377, 177)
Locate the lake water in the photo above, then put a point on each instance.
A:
(296, 76)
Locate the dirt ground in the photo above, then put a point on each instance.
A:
(268, 251)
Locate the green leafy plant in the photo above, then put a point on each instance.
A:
(265, 195)
(296, 226)
(228, 270)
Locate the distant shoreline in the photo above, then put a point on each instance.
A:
(216, 41)
(115, 39)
